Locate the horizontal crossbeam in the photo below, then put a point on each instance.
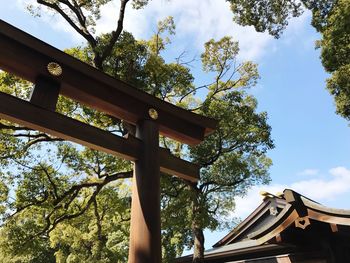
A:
(38, 118)
(28, 58)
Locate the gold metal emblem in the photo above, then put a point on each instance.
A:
(153, 113)
(54, 69)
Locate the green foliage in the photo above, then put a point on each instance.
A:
(329, 17)
(218, 53)
(17, 244)
(266, 15)
(127, 59)
(273, 16)
(335, 55)
(320, 10)
(158, 43)
(233, 158)
(99, 235)
(335, 43)
(176, 218)
(66, 203)
(90, 7)
(339, 87)
(138, 4)
(4, 191)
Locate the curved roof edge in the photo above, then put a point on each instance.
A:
(294, 208)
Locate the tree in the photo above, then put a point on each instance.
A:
(335, 55)
(329, 17)
(233, 158)
(273, 16)
(60, 196)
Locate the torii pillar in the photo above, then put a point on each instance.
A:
(145, 238)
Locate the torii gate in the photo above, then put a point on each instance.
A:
(54, 72)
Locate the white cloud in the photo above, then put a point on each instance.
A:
(296, 27)
(196, 21)
(308, 172)
(336, 183)
(53, 19)
(321, 189)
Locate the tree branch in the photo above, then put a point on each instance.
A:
(14, 128)
(82, 31)
(54, 187)
(115, 35)
(74, 190)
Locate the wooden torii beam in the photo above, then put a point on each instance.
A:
(55, 72)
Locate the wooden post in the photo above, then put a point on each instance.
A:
(45, 93)
(145, 239)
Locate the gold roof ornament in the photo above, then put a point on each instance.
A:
(280, 194)
(266, 194)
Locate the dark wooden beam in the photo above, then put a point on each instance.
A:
(170, 164)
(295, 199)
(45, 93)
(28, 57)
(38, 118)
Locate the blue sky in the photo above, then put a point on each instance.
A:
(312, 142)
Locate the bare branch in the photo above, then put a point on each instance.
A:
(115, 35)
(48, 176)
(81, 30)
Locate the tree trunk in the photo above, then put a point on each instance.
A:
(197, 228)
(198, 251)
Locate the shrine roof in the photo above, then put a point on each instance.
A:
(277, 226)
(277, 213)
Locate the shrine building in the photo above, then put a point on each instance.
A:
(287, 228)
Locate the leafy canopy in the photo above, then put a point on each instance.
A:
(335, 55)
(64, 202)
